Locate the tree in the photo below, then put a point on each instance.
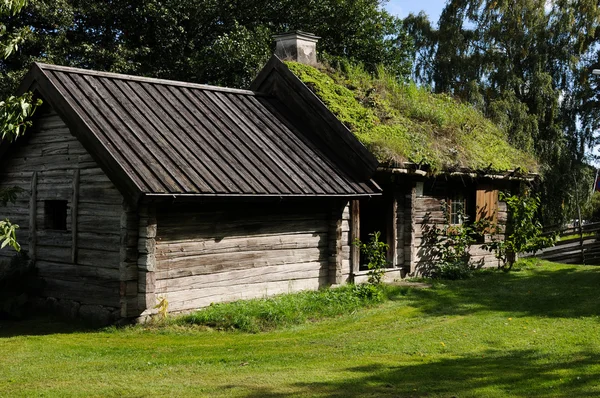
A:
(14, 111)
(526, 65)
(524, 230)
(221, 42)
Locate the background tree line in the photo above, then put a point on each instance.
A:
(525, 63)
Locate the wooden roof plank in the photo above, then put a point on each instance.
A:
(114, 144)
(248, 122)
(206, 143)
(280, 146)
(171, 147)
(232, 163)
(125, 124)
(316, 177)
(336, 177)
(239, 138)
(230, 144)
(163, 120)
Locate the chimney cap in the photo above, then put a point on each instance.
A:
(298, 34)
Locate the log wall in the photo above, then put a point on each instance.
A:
(213, 253)
(427, 210)
(83, 263)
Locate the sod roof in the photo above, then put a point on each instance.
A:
(404, 124)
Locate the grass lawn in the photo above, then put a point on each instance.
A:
(531, 333)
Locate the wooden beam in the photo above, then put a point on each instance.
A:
(32, 217)
(335, 244)
(354, 234)
(392, 233)
(74, 216)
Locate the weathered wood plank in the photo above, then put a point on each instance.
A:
(241, 292)
(254, 275)
(32, 218)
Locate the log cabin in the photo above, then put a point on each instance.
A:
(136, 190)
(416, 196)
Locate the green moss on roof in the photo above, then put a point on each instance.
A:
(402, 123)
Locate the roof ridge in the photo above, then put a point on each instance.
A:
(152, 80)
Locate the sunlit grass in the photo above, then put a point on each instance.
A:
(534, 332)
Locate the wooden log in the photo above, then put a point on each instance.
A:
(32, 218)
(355, 234)
(74, 214)
(245, 276)
(202, 265)
(241, 292)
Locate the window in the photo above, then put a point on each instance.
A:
(55, 215)
(457, 209)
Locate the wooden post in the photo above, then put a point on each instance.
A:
(147, 261)
(74, 215)
(335, 244)
(128, 265)
(392, 233)
(33, 217)
(354, 234)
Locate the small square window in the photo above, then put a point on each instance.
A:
(55, 215)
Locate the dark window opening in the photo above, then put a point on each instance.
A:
(375, 216)
(55, 215)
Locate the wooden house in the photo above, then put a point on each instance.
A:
(414, 197)
(138, 189)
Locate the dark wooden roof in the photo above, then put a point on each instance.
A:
(158, 137)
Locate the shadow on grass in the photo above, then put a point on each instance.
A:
(40, 325)
(520, 373)
(561, 293)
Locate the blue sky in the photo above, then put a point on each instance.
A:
(433, 8)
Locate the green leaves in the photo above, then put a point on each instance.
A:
(11, 7)
(14, 112)
(8, 235)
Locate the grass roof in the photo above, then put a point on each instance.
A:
(402, 123)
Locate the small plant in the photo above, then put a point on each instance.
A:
(375, 252)
(524, 230)
(163, 307)
(450, 247)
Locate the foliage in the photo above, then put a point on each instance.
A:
(14, 110)
(202, 41)
(285, 310)
(163, 307)
(404, 123)
(449, 247)
(18, 281)
(591, 210)
(523, 231)
(8, 235)
(14, 114)
(526, 64)
(375, 253)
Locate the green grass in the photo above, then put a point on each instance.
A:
(575, 236)
(261, 315)
(403, 122)
(530, 333)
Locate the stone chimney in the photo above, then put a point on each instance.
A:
(297, 46)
